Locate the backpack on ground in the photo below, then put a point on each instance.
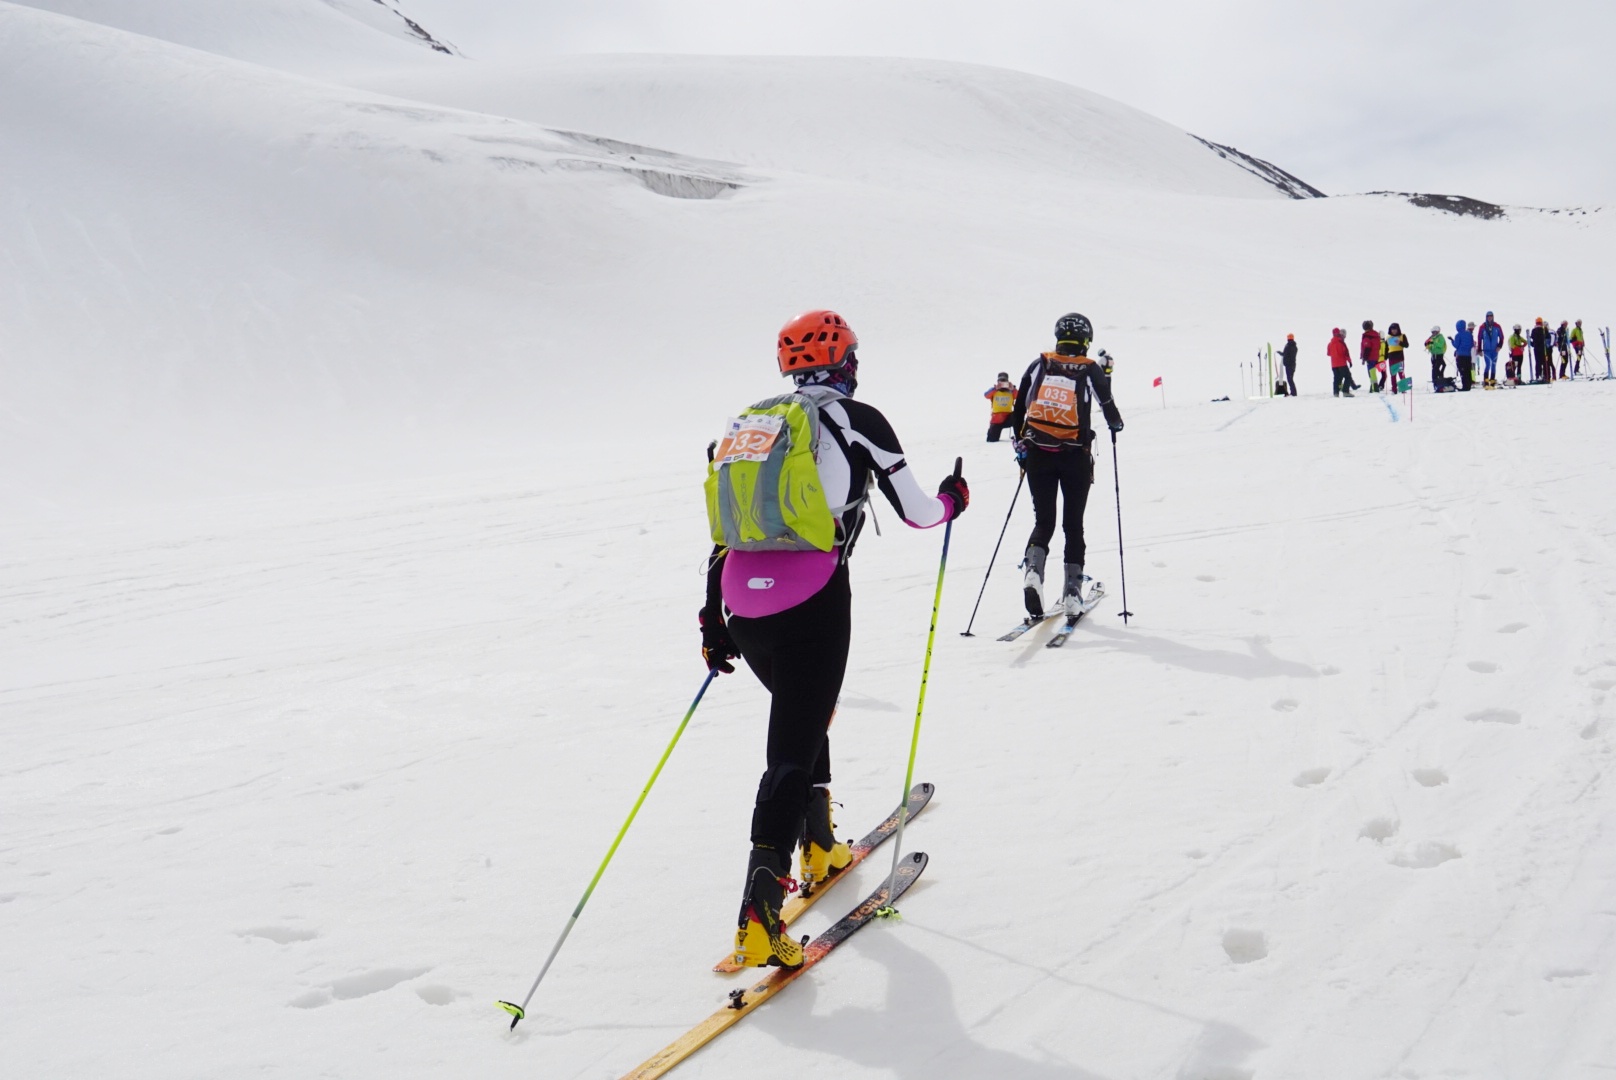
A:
(763, 487)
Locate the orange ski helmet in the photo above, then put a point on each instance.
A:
(815, 341)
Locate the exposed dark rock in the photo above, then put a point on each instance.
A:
(419, 31)
(1263, 170)
(1462, 205)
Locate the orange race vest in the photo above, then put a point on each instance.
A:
(1052, 416)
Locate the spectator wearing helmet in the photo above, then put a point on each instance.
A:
(1491, 339)
(1517, 358)
(788, 611)
(1541, 339)
(1340, 364)
(1053, 437)
(1437, 345)
(1369, 353)
(1002, 401)
(1577, 343)
(1287, 356)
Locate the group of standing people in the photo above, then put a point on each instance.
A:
(1475, 350)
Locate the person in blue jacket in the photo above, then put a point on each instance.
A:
(1464, 347)
(1490, 338)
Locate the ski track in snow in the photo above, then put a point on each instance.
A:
(296, 756)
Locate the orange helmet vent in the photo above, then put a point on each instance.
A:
(815, 341)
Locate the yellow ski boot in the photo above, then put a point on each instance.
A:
(760, 940)
(822, 855)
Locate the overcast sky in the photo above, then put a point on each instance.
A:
(1506, 101)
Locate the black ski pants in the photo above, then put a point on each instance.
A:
(1290, 376)
(1343, 381)
(1467, 374)
(1070, 473)
(800, 657)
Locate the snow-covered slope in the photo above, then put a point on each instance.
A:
(897, 123)
(300, 786)
(314, 37)
(297, 782)
(254, 279)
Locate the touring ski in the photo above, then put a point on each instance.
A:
(1027, 624)
(742, 1002)
(1066, 628)
(919, 796)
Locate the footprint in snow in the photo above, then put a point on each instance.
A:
(1285, 704)
(1429, 777)
(1512, 628)
(1481, 596)
(1494, 716)
(1603, 684)
(1379, 829)
(1557, 974)
(356, 986)
(1505, 570)
(1244, 946)
(1205, 577)
(1424, 855)
(1482, 667)
(440, 995)
(1311, 777)
(280, 935)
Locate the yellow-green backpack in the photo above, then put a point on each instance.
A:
(763, 489)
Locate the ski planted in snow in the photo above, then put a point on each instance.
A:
(1027, 624)
(919, 796)
(1066, 628)
(743, 1002)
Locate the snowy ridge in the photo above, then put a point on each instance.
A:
(1279, 178)
(317, 37)
(903, 123)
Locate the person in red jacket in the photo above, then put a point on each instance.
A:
(1369, 353)
(1340, 363)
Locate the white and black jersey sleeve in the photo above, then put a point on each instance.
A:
(855, 443)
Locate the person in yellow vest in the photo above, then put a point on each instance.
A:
(1002, 396)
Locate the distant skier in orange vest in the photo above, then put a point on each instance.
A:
(1002, 394)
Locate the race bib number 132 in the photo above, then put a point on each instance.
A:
(749, 438)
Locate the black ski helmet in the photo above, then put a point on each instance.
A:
(1073, 329)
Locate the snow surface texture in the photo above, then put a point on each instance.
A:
(300, 780)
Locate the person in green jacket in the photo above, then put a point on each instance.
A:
(1437, 346)
(1517, 357)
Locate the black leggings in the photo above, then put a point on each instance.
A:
(800, 657)
(1070, 472)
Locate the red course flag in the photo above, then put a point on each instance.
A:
(1157, 382)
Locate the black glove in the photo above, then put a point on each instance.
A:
(957, 492)
(717, 647)
(1114, 425)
